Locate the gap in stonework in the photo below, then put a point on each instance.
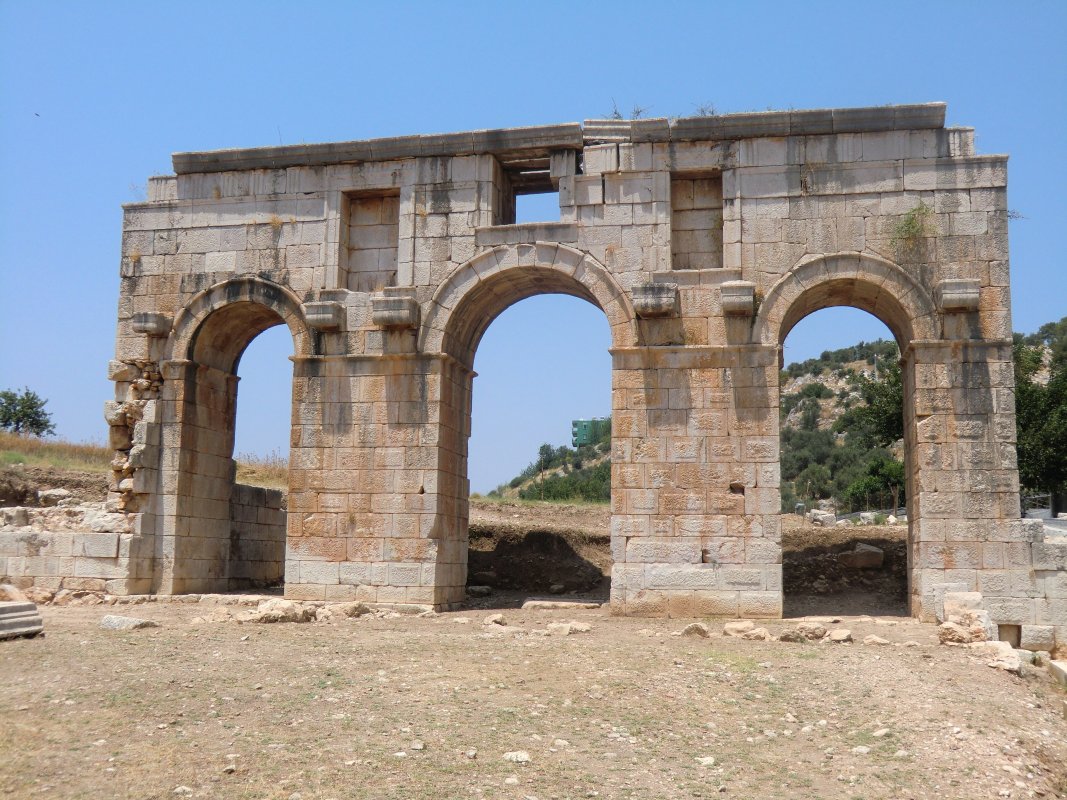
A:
(263, 420)
(844, 530)
(541, 364)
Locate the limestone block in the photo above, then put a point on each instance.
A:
(395, 312)
(960, 295)
(1037, 637)
(738, 298)
(96, 545)
(653, 300)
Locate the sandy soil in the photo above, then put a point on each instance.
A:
(325, 710)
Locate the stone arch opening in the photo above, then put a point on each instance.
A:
(890, 294)
(844, 532)
(223, 534)
(462, 311)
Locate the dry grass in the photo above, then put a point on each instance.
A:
(34, 452)
(271, 470)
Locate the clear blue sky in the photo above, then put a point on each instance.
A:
(94, 97)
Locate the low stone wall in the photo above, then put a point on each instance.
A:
(257, 537)
(77, 547)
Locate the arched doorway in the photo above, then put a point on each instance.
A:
(463, 309)
(890, 294)
(217, 534)
(844, 531)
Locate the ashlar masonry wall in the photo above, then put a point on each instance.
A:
(702, 240)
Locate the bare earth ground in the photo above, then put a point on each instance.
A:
(322, 710)
(325, 710)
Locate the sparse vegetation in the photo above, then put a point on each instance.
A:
(33, 452)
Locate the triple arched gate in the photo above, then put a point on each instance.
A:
(703, 243)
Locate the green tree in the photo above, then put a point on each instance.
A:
(1041, 422)
(879, 422)
(24, 413)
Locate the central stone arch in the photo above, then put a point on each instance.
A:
(462, 309)
(475, 294)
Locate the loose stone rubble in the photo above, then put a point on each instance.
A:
(703, 240)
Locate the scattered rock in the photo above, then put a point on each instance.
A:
(1004, 656)
(51, 497)
(353, 609)
(35, 594)
(872, 639)
(558, 604)
(13, 594)
(559, 744)
(864, 556)
(567, 628)
(705, 761)
(955, 633)
(494, 619)
(418, 745)
(881, 732)
(557, 588)
(479, 591)
(840, 635)
(738, 628)
(517, 757)
(696, 629)
(279, 610)
(758, 635)
(804, 632)
(861, 750)
(113, 622)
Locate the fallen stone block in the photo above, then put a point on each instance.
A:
(840, 636)
(696, 629)
(19, 619)
(113, 622)
(738, 628)
(864, 556)
(1058, 670)
(558, 604)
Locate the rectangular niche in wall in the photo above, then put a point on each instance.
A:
(696, 221)
(370, 245)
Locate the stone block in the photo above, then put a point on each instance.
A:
(1037, 637)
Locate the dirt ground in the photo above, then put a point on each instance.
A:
(390, 706)
(427, 707)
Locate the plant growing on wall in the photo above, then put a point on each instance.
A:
(911, 231)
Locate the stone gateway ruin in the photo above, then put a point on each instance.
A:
(703, 241)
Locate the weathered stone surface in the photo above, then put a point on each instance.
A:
(864, 556)
(738, 628)
(704, 241)
(19, 619)
(114, 622)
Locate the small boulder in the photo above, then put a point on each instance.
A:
(872, 639)
(696, 629)
(38, 595)
(758, 635)
(517, 757)
(863, 556)
(113, 622)
(279, 610)
(840, 636)
(494, 619)
(13, 594)
(51, 497)
(354, 609)
(738, 628)
(479, 591)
